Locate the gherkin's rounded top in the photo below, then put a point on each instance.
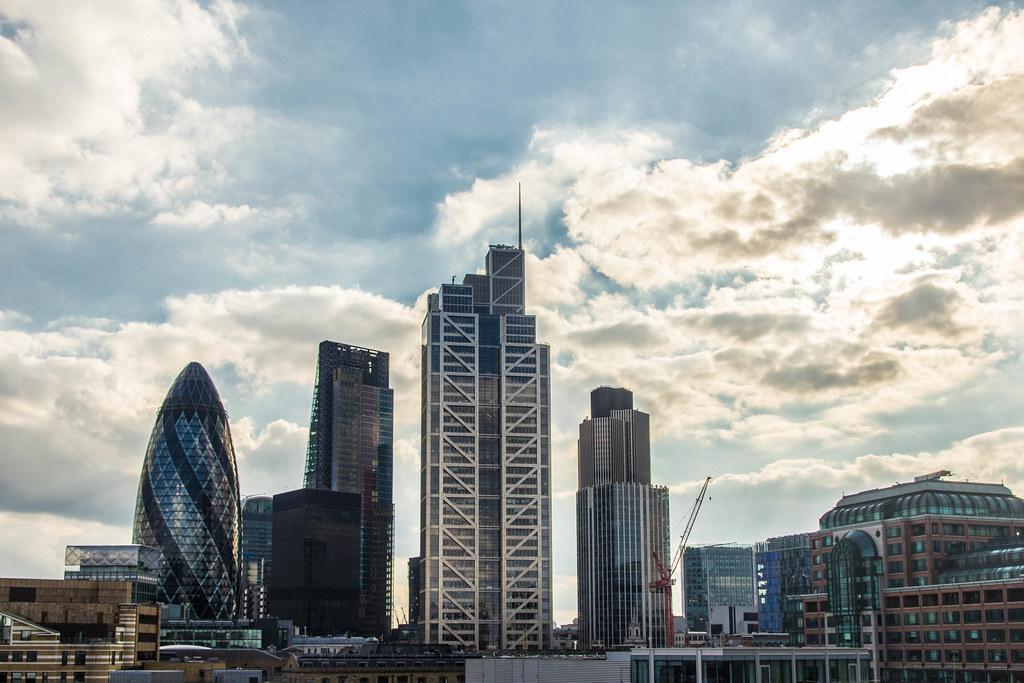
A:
(193, 388)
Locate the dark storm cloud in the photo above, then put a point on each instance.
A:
(747, 327)
(923, 308)
(817, 376)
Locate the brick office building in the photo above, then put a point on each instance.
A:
(929, 575)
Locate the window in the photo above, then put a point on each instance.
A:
(931, 636)
(1015, 595)
(931, 617)
(950, 617)
(21, 594)
(953, 529)
(994, 615)
(919, 565)
(25, 635)
(911, 601)
(64, 658)
(894, 532)
(895, 567)
(1015, 614)
(950, 598)
(31, 656)
(975, 656)
(913, 636)
(997, 656)
(972, 635)
(933, 655)
(929, 600)
(951, 637)
(972, 597)
(894, 549)
(911, 618)
(995, 635)
(1016, 635)
(893, 637)
(994, 596)
(917, 530)
(972, 616)
(79, 657)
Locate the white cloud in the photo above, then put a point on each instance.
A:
(102, 114)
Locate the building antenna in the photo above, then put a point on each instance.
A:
(520, 216)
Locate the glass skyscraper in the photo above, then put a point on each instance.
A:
(188, 503)
(620, 521)
(351, 450)
(485, 468)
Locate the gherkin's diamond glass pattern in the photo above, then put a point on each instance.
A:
(188, 502)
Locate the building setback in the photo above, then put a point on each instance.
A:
(188, 502)
(621, 522)
(718, 589)
(351, 450)
(315, 582)
(485, 514)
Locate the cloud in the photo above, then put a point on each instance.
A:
(926, 307)
(108, 110)
(922, 159)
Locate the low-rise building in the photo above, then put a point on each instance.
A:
(382, 663)
(750, 665)
(95, 621)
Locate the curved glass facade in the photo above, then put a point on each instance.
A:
(188, 503)
(853, 571)
(925, 503)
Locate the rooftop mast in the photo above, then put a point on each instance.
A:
(520, 216)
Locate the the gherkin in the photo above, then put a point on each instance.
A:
(188, 502)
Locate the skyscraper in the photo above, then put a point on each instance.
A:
(351, 450)
(485, 476)
(188, 504)
(620, 521)
(257, 535)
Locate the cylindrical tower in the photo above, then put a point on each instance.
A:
(188, 502)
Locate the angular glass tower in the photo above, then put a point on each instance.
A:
(485, 514)
(621, 520)
(351, 449)
(188, 503)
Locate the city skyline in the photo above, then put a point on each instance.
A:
(833, 305)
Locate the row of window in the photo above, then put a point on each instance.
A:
(970, 656)
(954, 636)
(32, 677)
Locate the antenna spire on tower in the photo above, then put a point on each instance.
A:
(520, 216)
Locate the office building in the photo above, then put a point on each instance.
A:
(928, 575)
(745, 664)
(351, 450)
(718, 589)
(485, 464)
(257, 535)
(188, 502)
(622, 521)
(783, 566)
(73, 630)
(137, 564)
(315, 581)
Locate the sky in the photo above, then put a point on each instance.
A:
(794, 230)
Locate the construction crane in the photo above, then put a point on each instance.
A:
(664, 582)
